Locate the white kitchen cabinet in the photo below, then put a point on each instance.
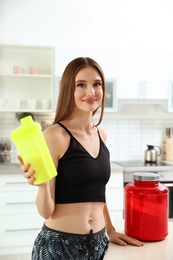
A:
(129, 82)
(110, 96)
(20, 221)
(26, 78)
(156, 74)
(142, 74)
(170, 78)
(170, 97)
(115, 195)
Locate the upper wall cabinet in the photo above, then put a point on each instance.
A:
(110, 96)
(170, 78)
(170, 97)
(26, 78)
(142, 74)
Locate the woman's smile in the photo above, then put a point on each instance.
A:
(89, 100)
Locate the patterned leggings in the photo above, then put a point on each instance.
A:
(51, 244)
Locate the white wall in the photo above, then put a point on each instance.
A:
(96, 23)
(51, 22)
(93, 25)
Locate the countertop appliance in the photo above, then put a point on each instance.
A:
(164, 169)
(152, 154)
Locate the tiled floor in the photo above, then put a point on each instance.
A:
(15, 257)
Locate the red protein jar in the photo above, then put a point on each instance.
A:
(146, 207)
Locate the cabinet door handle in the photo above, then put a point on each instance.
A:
(20, 203)
(15, 182)
(139, 89)
(21, 229)
(144, 89)
(168, 184)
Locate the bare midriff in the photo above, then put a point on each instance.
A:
(77, 218)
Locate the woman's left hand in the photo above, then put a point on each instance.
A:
(122, 239)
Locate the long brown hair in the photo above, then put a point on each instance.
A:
(66, 101)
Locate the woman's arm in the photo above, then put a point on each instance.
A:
(44, 200)
(116, 237)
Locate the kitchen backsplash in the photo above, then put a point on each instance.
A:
(9, 122)
(128, 132)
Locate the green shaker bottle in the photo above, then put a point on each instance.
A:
(31, 145)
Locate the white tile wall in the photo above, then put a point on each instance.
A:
(128, 132)
(9, 122)
(127, 139)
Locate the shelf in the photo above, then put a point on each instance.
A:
(28, 110)
(27, 75)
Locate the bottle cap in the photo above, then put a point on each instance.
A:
(146, 176)
(26, 120)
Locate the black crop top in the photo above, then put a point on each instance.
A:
(82, 178)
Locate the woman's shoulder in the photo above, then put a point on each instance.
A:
(102, 133)
(57, 140)
(55, 129)
(55, 133)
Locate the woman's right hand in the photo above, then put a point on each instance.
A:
(28, 174)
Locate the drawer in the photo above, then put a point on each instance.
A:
(116, 180)
(18, 239)
(114, 198)
(20, 208)
(18, 196)
(15, 182)
(116, 214)
(17, 202)
(20, 223)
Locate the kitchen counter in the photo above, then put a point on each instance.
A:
(116, 168)
(10, 168)
(134, 166)
(161, 250)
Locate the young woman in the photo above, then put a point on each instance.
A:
(77, 222)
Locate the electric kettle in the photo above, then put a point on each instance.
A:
(152, 154)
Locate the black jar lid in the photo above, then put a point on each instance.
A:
(146, 176)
